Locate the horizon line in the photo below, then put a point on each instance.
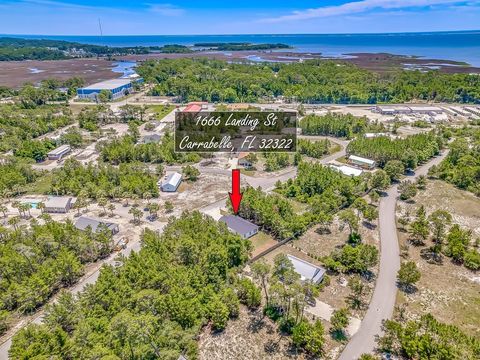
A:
(260, 34)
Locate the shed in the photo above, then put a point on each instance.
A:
(363, 162)
(83, 222)
(58, 204)
(171, 182)
(306, 270)
(59, 152)
(239, 226)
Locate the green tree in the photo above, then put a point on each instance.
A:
(440, 220)
(168, 206)
(408, 274)
(261, 271)
(249, 294)
(105, 96)
(394, 169)
(457, 242)
(407, 190)
(339, 321)
(190, 173)
(419, 228)
(379, 180)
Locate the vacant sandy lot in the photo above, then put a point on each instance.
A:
(449, 291)
(250, 337)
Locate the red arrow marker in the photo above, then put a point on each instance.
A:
(235, 195)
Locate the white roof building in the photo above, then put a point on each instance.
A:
(362, 161)
(347, 170)
(171, 182)
(374, 135)
(306, 270)
(108, 84)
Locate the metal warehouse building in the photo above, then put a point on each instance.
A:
(118, 88)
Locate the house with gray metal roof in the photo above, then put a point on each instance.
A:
(58, 204)
(84, 222)
(239, 226)
(306, 270)
(171, 182)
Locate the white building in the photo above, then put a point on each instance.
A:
(59, 152)
(362, 162)
(306, 270)
(431, 110)
(117, 87)
(171, 182)
(347, 170)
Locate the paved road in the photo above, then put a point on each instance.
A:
(383, 301)
(266, 183)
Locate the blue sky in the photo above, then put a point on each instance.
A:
(150, 17)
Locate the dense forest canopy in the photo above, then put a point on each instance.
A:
(427, 338)
(99, 181)
(151, 307)
(461, 167)
(339, 125)
(19, 124)
(273, 213)
(316, 181)
(314, 81)
(37, 261)
(15, 173)
(125, 150)
(412, 150)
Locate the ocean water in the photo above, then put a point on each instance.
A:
(459, 46)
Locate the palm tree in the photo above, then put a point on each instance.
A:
(103, 203)
(80, 203)
(17, 205)
(26, 207)
(147, 196)
(126, 196)
(3, 209)
(111, 207)
(153, 210)
(14, 221)
(41, 206)
(136, 213)
(135, 197)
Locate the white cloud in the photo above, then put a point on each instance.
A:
(166, 9)
(357, 7)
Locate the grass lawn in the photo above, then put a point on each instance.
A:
(261, 241)
(334, 147)
(247, 172)
(40, 186)
(160, 110)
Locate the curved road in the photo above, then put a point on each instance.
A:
(267, 184)
(383, 301)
